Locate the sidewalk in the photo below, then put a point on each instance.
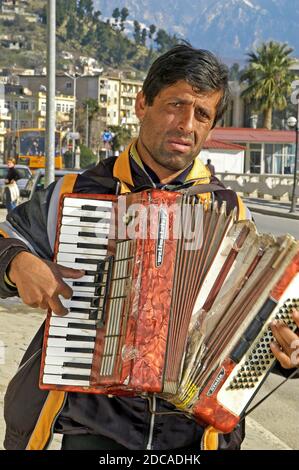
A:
(272, 208)
(264, 429)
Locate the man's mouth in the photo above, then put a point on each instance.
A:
(180, 145)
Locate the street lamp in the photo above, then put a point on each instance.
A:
(294, 122)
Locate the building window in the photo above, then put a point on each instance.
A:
(289, 160)
(255, 151)
(277, 159)
(24, 105)
(58, 107)
(268, 158)
(68, 85)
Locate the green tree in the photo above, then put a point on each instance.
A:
(91, 106)
(137, 32)
(63, 9)
(164, 41)
(84, 8)
(96, 15)
(71, 27)
(87, 157)
(116, 16)
(152, 30)
(143, 37)
(124, 13)
(122, 137)
(268, 79)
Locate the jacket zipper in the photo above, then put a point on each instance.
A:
(152, 422)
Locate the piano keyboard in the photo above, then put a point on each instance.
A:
(83, 244)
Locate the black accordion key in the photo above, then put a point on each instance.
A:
(252, 331)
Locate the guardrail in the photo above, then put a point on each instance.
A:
(277, 187)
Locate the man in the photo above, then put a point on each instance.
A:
(210, 167)
(183, 96)
(11, 191)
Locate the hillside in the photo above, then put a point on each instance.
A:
(230, 28)
(81, 31)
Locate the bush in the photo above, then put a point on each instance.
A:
(87, 157)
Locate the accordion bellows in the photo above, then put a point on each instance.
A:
(176, 300)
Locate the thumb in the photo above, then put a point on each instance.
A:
(70, 272)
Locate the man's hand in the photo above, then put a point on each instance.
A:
(286, 346)
(39, 282)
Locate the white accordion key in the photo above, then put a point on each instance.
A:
(81, 202)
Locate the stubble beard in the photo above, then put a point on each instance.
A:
(170, 160)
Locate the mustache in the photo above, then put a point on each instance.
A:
(188, 138)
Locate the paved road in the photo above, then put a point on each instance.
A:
(274, 424)
(276, 225)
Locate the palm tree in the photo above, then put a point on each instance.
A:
(92, 108)
(268, 79)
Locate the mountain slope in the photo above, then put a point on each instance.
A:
(228, 27)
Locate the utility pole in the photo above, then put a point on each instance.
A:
(294, 196)
(51, 78)
(87, 127)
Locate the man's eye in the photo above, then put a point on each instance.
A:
(202, 115)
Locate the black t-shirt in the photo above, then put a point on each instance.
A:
(12, 174)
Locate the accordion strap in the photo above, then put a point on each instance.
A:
(202, 188)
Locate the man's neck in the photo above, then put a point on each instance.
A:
(164, 174)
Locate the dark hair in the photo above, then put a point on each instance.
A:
(198, 67)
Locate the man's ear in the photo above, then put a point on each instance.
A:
(209, 136)
(140, 106)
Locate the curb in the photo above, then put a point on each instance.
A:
(285, 215)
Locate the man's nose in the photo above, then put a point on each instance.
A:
(186, 120)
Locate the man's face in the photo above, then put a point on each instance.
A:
(175, 127)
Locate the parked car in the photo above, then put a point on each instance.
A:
(24, 172)
(37, 182)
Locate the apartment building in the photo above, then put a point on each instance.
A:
(115, 95)
(4, 119)
(28, 109)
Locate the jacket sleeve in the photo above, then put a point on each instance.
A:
(25, 229)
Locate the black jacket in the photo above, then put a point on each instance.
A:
(128, 421)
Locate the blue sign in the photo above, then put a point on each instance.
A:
(107, 136)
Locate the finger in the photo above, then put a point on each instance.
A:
(283, 334)
(57, 307)
(70, 272)
(32, 304)
(295, 314)
(281, 356)
(65, 290)
(44, 305)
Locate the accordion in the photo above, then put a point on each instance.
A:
(176, 301)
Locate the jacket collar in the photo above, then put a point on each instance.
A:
(122, 169)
